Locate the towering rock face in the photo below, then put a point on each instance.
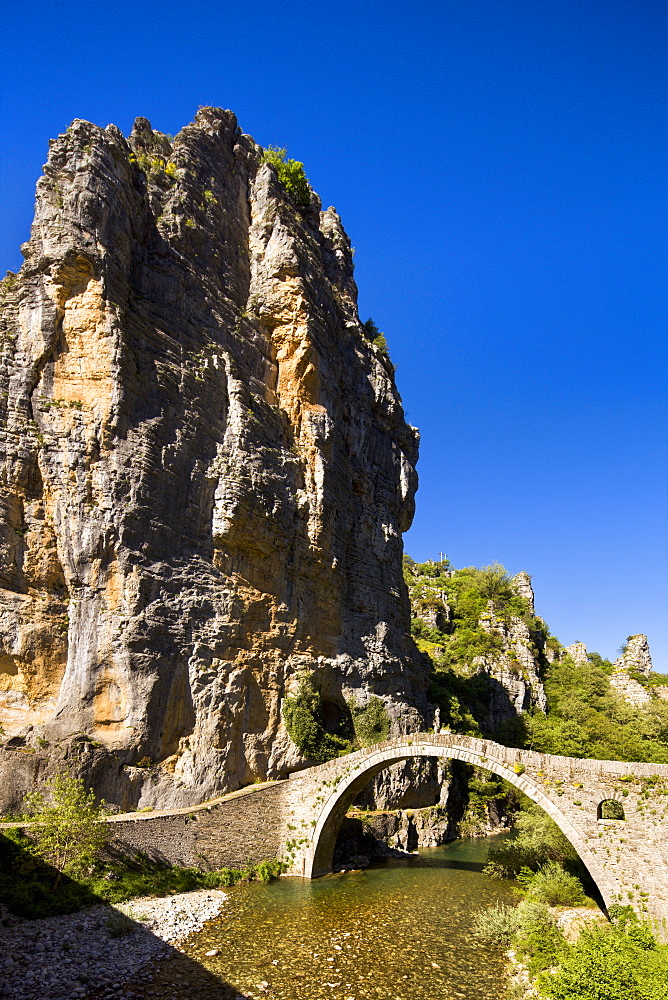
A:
(206, 469)
(522, 584)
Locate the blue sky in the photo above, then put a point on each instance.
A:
(500, 168)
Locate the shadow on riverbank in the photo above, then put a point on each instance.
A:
(95, 951)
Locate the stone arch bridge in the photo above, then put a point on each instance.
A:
(298, 818)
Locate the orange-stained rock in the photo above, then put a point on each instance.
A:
(205, 468)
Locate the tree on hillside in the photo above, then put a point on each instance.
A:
(69, 833)
(494, 583)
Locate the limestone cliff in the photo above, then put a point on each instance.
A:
(206, 469)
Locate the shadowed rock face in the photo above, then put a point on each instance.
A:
(206, 469)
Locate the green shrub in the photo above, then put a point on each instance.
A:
(154, 165)
(370, 722)
(377, 338)
(608, 964)
(496, 925)
(530, 928)
(69, 832)
(551, 885)
(538, 941)
(120, 925)
(290, 174)
(302, 717)
(268, 870)
(538, 841)
(420, 630)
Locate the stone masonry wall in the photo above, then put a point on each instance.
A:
(241, 829)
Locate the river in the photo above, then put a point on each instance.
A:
(399, 930)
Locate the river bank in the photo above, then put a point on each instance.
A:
(288, 940)
(100, 952)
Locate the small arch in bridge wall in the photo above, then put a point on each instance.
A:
(318, 860)
(610, 809)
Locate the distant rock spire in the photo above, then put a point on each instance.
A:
(522, 584)
(577, 652)
(636, 657)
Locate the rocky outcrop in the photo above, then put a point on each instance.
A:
(412, 784)
(578, 653)
(206, 469)
(515, 682)
(522, 585)
(506, 678)
(635, 659)
(381, 834)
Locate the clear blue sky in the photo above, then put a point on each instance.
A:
(500, 167)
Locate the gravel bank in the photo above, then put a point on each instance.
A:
(94, 953)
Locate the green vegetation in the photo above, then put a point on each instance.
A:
(371, 722)
(538, 842)
(155, 166)
(31, 887)
(65, 861)
(290, 174)
(622, 962)
(481, 789)
(618, 962)
(587, 718)
(355, 725)
(302, 715)
(530, 928)
(70, 833)
(553, 885)
(377, 338)
(453, 611)
(9, 282)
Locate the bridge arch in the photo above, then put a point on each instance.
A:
(351, 780)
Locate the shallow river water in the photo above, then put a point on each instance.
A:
(394, 931)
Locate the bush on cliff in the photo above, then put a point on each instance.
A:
(370, 722)
(302, 714)
(450, 625)
(377, 338)
(290, 174)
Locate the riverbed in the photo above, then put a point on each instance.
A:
(399, 930)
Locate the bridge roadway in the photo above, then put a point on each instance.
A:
(298, 818)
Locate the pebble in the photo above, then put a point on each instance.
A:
(93, 962)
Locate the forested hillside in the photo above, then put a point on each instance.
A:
(480, 631)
